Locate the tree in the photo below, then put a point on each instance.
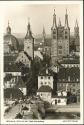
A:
(8, 77)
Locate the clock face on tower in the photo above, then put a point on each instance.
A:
(28, 47)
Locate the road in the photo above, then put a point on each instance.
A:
(12, 113)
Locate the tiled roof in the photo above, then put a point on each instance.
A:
(44, 89)
(69, 75)
(11, 68)
(13, 39)
(20, 83)
(59, 96)
(43, 72)
(70, 61)
(25, 108)
(27, 56)
(12, 93)
(10, 58)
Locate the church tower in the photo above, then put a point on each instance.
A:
(29, 42)
(76, 35)
(8, 30)
(44, 35)
(66, 35)
(54, 52)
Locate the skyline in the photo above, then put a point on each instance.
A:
(40, 15)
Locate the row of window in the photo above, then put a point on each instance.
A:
(45, 83)
(69, 85)
(45, 77)
(54, 37)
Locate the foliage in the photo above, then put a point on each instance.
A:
(8, 77)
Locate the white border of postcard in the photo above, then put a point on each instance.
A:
(66, 121)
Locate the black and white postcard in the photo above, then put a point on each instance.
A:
(41, 62)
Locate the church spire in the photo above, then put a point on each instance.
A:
(66, 20)
(44, 32)
(8, 30)
(54, 21)
(29, 33)
(59, 22)
(76, 24)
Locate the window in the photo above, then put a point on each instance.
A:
(41, 94)
(66, 37)
(60, 51)
(41, 77)
(41, 83)
(73, 84)
(54, 32)
(28, 47)
(55, 101)
(60, 47)
(49, 77)
(59, 101)
(65, 32)
(54, 36)
(73, 90)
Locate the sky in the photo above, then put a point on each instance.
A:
(40, 15)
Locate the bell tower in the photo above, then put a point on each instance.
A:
(76, 35)
(8, 30)
(66, 35)
(29, 42)
(54, 40)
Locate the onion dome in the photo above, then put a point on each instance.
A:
(10, 40)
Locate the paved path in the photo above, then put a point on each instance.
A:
(12, 113)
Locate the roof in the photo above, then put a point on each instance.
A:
(10, 57)
(59, 96)
(12, 93)
(44, 73)
(25, 108)
(27, 56)
(69, 75)
(45, 88)
(38, 54)
(20, 83)
(13, 40)
(70, 61)
(11, 67)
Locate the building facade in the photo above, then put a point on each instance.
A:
(60, 39)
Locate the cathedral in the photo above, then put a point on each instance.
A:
(60, 39)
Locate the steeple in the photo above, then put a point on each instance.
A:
(66, 20)
(29, 33)
(44, 34)
(8, 30)
(54, 21)
(59, 24)
(76, 24)
(76, 29)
